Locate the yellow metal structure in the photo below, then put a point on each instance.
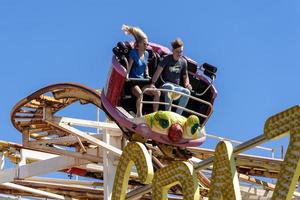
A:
(224, 180)
(176, 173)
(135, 153)
(287, 122)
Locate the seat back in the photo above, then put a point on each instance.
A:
(121, 51)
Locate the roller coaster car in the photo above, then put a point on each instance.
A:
(165, 127)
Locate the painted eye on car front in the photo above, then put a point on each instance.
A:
(163, 119)
(194, 128)
(164, 123)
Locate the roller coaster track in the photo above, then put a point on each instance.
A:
(35, 117)
(29, 115)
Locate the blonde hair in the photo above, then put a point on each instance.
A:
(136, 32)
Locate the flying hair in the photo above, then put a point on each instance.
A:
(136, 32)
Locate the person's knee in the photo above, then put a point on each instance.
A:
(157, 93)
(135, 88)
(136, 91)
(138, 97)
(168, 86)
(186, 91)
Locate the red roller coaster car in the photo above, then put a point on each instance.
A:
(118, 102)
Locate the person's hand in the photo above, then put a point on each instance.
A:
(152, 85)
(147, 77)
(127, 76)
(189, 86)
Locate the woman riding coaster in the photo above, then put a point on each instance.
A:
(138, 66)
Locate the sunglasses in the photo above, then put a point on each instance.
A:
(178, 51)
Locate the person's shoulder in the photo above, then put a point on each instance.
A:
(133, 53)
(184, 61)
(167, 57)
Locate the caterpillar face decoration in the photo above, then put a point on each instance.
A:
(173, 129)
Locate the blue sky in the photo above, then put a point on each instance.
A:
(255, 45)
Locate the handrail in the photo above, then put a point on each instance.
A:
(208, 87)
(177, 106)
(239, 142)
